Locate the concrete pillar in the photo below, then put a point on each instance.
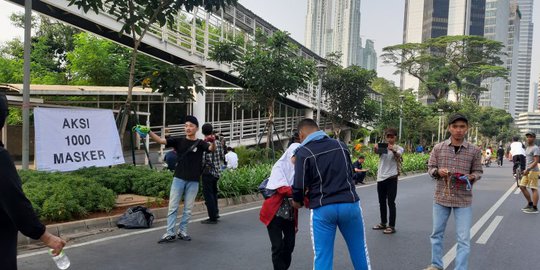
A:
(347, 134)
(308, 113)
(199, 103)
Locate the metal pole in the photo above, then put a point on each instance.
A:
(319, 100)
(26, 84)
(401, 97)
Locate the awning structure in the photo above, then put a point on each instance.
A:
(76, 90)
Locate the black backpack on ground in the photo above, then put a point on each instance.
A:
(136, 218)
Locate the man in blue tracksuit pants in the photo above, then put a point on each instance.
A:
(323, 173)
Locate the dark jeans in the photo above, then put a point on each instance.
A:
(500, 160)
(359, 177)
(282, 237)
(387, 191)
(519, 160)
(210, 192)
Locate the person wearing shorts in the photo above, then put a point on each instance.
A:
(530, 175)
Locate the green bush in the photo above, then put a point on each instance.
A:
(59, 197)
(243, 180)
(254, 156)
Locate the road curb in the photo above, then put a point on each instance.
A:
(80, 228)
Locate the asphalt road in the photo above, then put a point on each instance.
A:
(240, 240)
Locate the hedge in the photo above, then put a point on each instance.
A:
(65, 196)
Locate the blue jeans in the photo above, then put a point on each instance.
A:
(178, 188)
(325, 220)
(463, 217)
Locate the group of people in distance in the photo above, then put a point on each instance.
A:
(316, 172)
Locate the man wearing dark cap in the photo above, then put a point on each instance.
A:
(16, 212)
(188, 170)
(456, 165)
(530, 175)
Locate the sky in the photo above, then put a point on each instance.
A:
(382, 21)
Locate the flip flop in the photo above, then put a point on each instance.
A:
(389, 230)
(379, 227)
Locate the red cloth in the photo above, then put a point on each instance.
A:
(271, 206)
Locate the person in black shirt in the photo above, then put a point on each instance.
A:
(500, 155)
(170, 159)
(188, 170)
(359, 173)
(16, 212)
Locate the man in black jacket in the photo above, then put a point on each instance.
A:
(323, 171)
(16, 212)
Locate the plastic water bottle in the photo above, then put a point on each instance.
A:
(61, 260)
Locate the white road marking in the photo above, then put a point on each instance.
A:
(517, 191)
(26, 255)
(451, 254)
(489, 231)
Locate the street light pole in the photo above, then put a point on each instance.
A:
(439, 133)
(320, 68)
(401, 97)
(26, 85)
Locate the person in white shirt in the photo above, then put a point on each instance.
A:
(231, 158)
(517, 154)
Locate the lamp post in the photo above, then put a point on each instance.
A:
(320, 68)
(439, 131)
(401, 97)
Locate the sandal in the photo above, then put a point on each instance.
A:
(379, 226)
(389, 230)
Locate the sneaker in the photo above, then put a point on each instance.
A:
(526, 207)
(183, 236)
(531, 210)
(209, 221)
(167, 239)
(431, 267)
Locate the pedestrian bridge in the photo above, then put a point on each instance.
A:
(188, 43)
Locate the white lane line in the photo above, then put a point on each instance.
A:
(130, 234)
(26, 255)
(451, 254)
(517, 191)
(489, 231)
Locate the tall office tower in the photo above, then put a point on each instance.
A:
(533, 100)
(466, 17)
(512, 49)
(497, 19)
(318, 36)
(424, 19)
(525, 55)
(369, 59)
(334, 26)
(346, 30)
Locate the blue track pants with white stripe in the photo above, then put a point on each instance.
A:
(348, 218)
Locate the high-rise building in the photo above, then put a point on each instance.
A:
(525, 55)
(369, 58)
(318, 37)
(512, 49)
(497, 18)
(533, 100)
(346, 29)
(466, 17)
(334, 26)
(424, 19)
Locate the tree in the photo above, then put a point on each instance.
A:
(269, 69)
(347, 92)
(137, 17)
(461, 62)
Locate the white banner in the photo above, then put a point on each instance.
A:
(69, 139)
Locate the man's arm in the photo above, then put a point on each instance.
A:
(433, 163)
(301, 179)
(476, 167)
(156, 138)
